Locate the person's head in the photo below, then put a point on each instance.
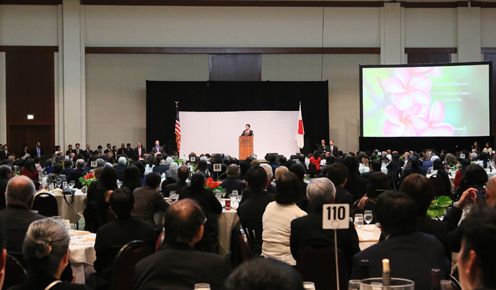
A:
(375, 165)
(352, 164)
(5, 172)
(233, 170)
(338, 173)
(131, 178)
(122, 160)
(264, 274)
(197, 181)
(477, 258)
(331, 142)
(69, 146)
(287, 189)
(420, 190)
(268, 170)
(202, 165)
(157, 143)
(256, 177)
(78, 145)
(396, 213)
(20, 192)
(121, 203)
(46, 248)
(152, 180)
(100, 162)
(377, 183)
(80, 163)
(319, 192)
(29, 164)
(247, 126)
(437, 164)
(67, 163)
(184, 222)
(108, 178)
(183, 173)
(475, 176)
(280, 171)
(298, 169)
(491, 192)
(322, 142)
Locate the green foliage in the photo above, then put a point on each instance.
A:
(439, 206)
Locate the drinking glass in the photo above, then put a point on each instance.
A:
(57, 184)
(202, 286)
(72, 183)
(119, 184)
(368, 216)
(396, 284)
(234, 193)
(173, 196)
(354, 285)
(359, 219)
(308, 285)
(64, 184)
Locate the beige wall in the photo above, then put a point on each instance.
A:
(116, 91)
(430, 27)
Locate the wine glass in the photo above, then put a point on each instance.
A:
(202, 286)
(309, 285)
(368, 216)
(72, 183)
(359, 220)
(64, 184)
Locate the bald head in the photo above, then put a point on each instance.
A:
(280, 171)
(184, 222)
(20, 192)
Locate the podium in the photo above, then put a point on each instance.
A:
(245, 147)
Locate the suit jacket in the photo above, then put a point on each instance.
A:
(178, 187)
(322, 149)
(250, 133)
(252, 208)
(334, 150)
(179, 268)
(233, 183)
(154, 150)
(357, 186)
(343, 196)
(17, 221)
(411, 256)
(307, 231)
(112, 236)
(436, 228)
(34, 152)
(137, 156)
(147, 201)
(160, 169)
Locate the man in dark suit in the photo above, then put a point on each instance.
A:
(307, 231)
(162, 167)
(148, 200)
(333, 148)
(412, 254)
(323, 148)
(139, 152)
(178, 266)
(157, 149)
(247, 131)
(112, 236)
(356, 184)
(255, 200)
(129, 151)
(120, 167)
(180, 185)
(4, 152)
(122, 149)
(69, 150)
(233, 182)
(37, 150)
(18, 215)
(338, 174)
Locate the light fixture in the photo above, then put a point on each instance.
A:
(30, 117)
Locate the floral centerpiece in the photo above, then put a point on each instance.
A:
(439, 206)
(87, 179)
(212, 184)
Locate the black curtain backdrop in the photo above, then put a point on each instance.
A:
(235, 96)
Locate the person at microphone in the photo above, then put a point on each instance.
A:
(247, 131)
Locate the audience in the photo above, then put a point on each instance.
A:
(18, 215)
(277, 219)
(210, 206)
(148, 200)
(477, 258)
(178, 265)
(180, 185)
(307, 231)
(377, 183)
(264, 274)
(338, 173)
(46, 254)
(112, 236)
(412, 254)
(255, 200)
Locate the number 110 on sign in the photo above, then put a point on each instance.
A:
(335, 216)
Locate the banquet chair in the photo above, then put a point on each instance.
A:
(455, 284)
(317, 264)
(122, 277)
(15, 273)
(46, 204)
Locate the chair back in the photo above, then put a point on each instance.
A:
(455, 284)
(122, 277)
(244, 244)
(318, 265)
(15, 273)
(46, 204)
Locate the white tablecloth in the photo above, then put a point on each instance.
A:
(72, 207)
(82, 254)
(368, 235)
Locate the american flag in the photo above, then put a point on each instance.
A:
(177, 130)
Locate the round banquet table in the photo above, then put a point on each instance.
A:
(70, 207)
(82, 254)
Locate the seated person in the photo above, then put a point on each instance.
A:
(277, 219)
(232, 181)
(264, 274)
(377, 183)
(5, 176)
(180, 185)
(412, 254)
(210, 206)
(477, 258)
(112, 236)
(307, 231)
(338, 173)
(46, 254)
(148, 200)
(179, 266)
(299, 170)
(18, 215)
(255, 200)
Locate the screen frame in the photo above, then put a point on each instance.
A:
(362, 67)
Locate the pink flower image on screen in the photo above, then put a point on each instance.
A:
(411, 112)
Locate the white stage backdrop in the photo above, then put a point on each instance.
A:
(218, 132)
